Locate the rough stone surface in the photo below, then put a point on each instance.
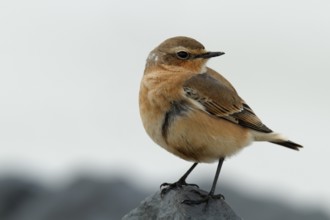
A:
(96, 198)
(171, 207)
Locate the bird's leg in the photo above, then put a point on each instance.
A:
(166, 187)
(210, 195)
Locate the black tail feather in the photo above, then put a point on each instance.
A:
(288, 144)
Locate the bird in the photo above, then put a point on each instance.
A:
(194, 112)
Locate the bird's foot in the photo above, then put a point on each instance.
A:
(166, 187)
(205, 198)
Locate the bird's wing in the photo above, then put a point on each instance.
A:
(217, 97)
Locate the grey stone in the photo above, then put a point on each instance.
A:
(90, 198)
(171, 207)
(83, 199)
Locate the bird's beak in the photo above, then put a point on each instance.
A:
(208, 55)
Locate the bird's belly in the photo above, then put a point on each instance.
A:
(197, 136)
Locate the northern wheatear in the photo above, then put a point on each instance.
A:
(194, 112)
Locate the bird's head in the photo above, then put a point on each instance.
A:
(181, 53)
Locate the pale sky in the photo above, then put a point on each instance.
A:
(70, 73)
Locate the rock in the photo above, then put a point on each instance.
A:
(84, 199)
(90, 198)
(171, 207)
(15, 194)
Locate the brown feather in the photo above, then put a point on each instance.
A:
(220, 99)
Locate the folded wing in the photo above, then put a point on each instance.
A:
(218, 98)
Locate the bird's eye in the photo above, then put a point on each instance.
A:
(183, 55)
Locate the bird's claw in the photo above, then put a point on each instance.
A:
(166, 187)
(205, 198)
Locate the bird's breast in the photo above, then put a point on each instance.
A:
(161, 101)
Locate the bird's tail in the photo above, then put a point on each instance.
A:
(288, 144)
(275, 138)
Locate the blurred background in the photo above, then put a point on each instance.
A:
(69, 119)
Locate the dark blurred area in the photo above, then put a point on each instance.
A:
(90, 198)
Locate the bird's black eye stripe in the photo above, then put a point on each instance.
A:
(183, 55)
